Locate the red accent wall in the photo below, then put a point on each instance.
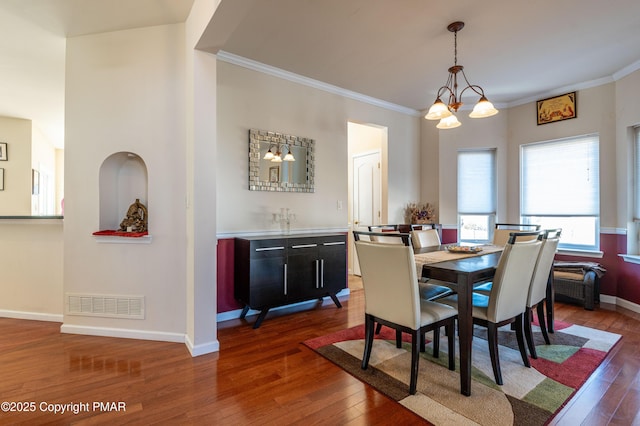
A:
(621, 280)
(226, 301)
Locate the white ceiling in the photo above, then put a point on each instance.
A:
(397, 51)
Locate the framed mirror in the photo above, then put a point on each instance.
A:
(280, 163)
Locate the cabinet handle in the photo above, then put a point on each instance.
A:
(269, 248)
(317, 271)
(285, 279)
(322, 273)
(304, 246)
(337, 243)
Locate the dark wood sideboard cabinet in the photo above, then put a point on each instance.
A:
(280, 270)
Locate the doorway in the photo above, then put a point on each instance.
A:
(367, 181)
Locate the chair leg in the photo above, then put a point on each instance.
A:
(543, 325)
(368, 341)
(520, 338)
(492, 337)
(436, 342)
(415, 357)
(451, 340)
(378, 328)
(398, 339)
(528, 333)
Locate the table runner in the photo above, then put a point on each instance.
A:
(445, 255)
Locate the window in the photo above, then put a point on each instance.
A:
(476, 194)
(560, 188)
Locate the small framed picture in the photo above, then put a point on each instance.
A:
(3, 151)
(274, 174)
(35, 182)
(1, 179)
(558, 108)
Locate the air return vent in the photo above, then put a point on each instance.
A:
(112, 306)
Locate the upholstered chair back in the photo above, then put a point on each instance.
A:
(510, 288)
(390, 282)
(538, 288)
(425, 238)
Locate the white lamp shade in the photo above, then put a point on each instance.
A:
(483, 109)
(438, 111)
(289, 157)
(450, 122)
(268, 155)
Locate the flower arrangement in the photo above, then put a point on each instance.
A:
(420, 212)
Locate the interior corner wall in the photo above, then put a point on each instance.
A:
(250, 99)
(125, 92)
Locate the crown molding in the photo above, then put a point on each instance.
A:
(316, 84)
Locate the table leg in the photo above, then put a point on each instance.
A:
(465, 331)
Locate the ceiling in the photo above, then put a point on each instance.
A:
(397, 51)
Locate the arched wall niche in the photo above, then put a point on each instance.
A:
(123, 179)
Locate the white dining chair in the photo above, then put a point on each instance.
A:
(502, 231)
(537, 292)
(538, 288)
(392, 298)
(506, 303)
(425, 238)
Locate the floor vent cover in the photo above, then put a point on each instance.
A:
(131, 307)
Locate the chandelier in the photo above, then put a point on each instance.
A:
(277, 157)
(446, 113)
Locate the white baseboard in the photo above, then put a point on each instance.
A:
(123, 333)
(197, 350)
(235, 314)
(35, 316)
(626, 304)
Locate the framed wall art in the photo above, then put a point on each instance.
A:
(274, 174)
(3, 151)
(558, 108)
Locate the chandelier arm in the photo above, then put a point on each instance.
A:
(477, 89)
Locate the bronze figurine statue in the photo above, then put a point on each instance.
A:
(136, 219)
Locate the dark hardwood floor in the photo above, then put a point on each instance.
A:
(263, 376)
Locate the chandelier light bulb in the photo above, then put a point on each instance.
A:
(483, 109)
(438, 111)
(268, 155)
(450, 122)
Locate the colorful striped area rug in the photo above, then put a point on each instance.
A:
(529, 396)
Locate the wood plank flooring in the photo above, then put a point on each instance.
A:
(262, 376)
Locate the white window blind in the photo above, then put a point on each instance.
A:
(636, 212)
(477, 182)
(561, 178)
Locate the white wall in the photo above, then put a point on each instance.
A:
(249, 99)
(473, 134)
(31, 264)
(125, 92)
(15, 200)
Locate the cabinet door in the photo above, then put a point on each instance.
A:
(268, 273)
(303, 269)
(333, 266)
(267, 282)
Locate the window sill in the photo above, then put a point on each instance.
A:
(631, 258)
(581, 253)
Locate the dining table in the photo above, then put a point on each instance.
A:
(461, 271)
